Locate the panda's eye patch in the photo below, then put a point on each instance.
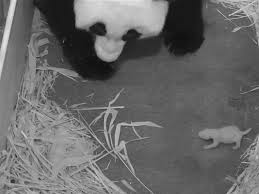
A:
(98, 29)
(131, 35)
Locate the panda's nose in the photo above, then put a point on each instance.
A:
(111, 45)
(108, 49)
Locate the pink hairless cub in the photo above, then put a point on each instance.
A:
(227, 135)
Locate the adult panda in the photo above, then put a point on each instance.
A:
(93, 32)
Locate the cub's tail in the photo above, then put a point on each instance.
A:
(246, 131)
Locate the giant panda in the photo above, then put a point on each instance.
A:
(93, 33)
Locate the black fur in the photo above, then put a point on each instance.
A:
(183, 33)
(184, 27)
(77, 45)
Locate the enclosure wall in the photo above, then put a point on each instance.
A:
(13, 61)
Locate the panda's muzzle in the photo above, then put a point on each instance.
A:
(108, 50)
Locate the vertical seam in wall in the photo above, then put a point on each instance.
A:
(6, 35)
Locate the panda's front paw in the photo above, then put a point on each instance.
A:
(93, 68)
(183, 43)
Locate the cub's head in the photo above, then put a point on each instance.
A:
(206, 134)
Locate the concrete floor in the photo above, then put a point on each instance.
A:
(184, 95)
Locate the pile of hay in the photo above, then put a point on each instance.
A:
(49, 149)
(242, 9)
(248, 181)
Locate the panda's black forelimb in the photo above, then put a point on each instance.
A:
(184, 27)
(77, 45)
(79, 50)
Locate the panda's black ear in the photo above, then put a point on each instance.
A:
(184, 27)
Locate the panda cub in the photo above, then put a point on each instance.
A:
(93, 33)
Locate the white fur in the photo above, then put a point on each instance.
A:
(227, 135)
(146, 16)
(108, 50)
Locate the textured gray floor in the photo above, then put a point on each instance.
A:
(183, 95)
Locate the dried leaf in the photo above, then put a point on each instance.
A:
(236, 29)
(126, 184)
(105, 129)
(65, 72)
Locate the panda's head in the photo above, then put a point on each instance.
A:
(114, 22)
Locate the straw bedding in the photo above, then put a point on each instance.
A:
(52, 150)
(248, 181)
(241, 9)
